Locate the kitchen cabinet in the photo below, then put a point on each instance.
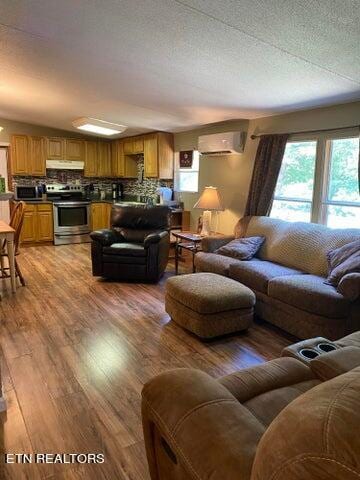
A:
(28, 230)
(100, 215)
(38, 225)
(151, 156)
(104, 159)
(55, 148)
(19, 154)
(159, 156)
(122, 165)
(165, 155)
(128, 147)
(138, 145)
(45, 223)
(134, 145)
(28, 155)
(37, 156)
(117, 158)
(74, 149)
(91, 159)
(131, 169)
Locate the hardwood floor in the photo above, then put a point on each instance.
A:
(76, 352)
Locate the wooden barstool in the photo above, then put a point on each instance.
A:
(16, 222)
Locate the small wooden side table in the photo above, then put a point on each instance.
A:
(188, 241)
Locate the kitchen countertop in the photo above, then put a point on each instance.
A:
(97, 200)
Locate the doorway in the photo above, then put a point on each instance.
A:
(4, 206)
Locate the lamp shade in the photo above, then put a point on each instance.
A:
(210, 200)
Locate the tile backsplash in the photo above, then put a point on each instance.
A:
(132, 186)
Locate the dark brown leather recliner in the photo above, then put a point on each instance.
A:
(136, 247)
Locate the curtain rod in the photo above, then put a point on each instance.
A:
(309, 131)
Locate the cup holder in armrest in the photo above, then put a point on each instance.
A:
(308, 353)
(326, 347)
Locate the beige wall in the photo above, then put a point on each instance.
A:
(10, 127)
(228, 173)
(232, 174)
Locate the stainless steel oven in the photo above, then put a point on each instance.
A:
(72, 222)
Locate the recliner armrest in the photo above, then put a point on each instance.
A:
(155, 237)
(337, 362)
(191, 422)
(106, 237)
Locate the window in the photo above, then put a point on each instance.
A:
(341, 205)
(318, 181)
(187, 179)
(295, 186)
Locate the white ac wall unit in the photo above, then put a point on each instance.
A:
(226, 143)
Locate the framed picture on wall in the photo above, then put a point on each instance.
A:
(186, 159)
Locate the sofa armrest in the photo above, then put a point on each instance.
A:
(194, 427)
(212, 243)
(155, 237)
(106, 237)
(349, 286)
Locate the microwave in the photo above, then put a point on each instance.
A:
(28, 192)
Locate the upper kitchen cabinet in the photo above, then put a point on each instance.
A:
(37, 155)
(138, 145)
(117, 158)
(159, 155)
(91, 159)
(166, 155)
(74, 149)
(28, 155)
(151, 156)
(55, 148)
(104, 159)
(20, 164)
(133, 145)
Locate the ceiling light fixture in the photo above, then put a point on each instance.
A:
(101, 127)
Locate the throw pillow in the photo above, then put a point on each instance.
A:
(349, 286)
(241, 248)
(343, 260)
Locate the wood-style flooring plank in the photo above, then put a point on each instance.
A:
(76, 352)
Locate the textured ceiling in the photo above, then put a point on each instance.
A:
(174, 64)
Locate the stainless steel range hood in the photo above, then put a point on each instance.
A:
(64, 165)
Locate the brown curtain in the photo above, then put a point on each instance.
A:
(268, 160)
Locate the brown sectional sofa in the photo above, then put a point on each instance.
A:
(281, 420)
(288, 275)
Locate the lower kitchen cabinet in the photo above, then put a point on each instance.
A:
(38, 226)
(45, 223)
(100, 215)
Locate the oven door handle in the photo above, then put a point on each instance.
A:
(71, 205)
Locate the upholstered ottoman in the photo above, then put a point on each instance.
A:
(208, 304)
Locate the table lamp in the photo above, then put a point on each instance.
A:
(209, 200)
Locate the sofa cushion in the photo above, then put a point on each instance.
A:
(309, 293)
(297, 244)
(128, 249)
(241, 248)
(256, 273)
(209, 293)
(123, 259)
(214, 263)
(343, 260)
